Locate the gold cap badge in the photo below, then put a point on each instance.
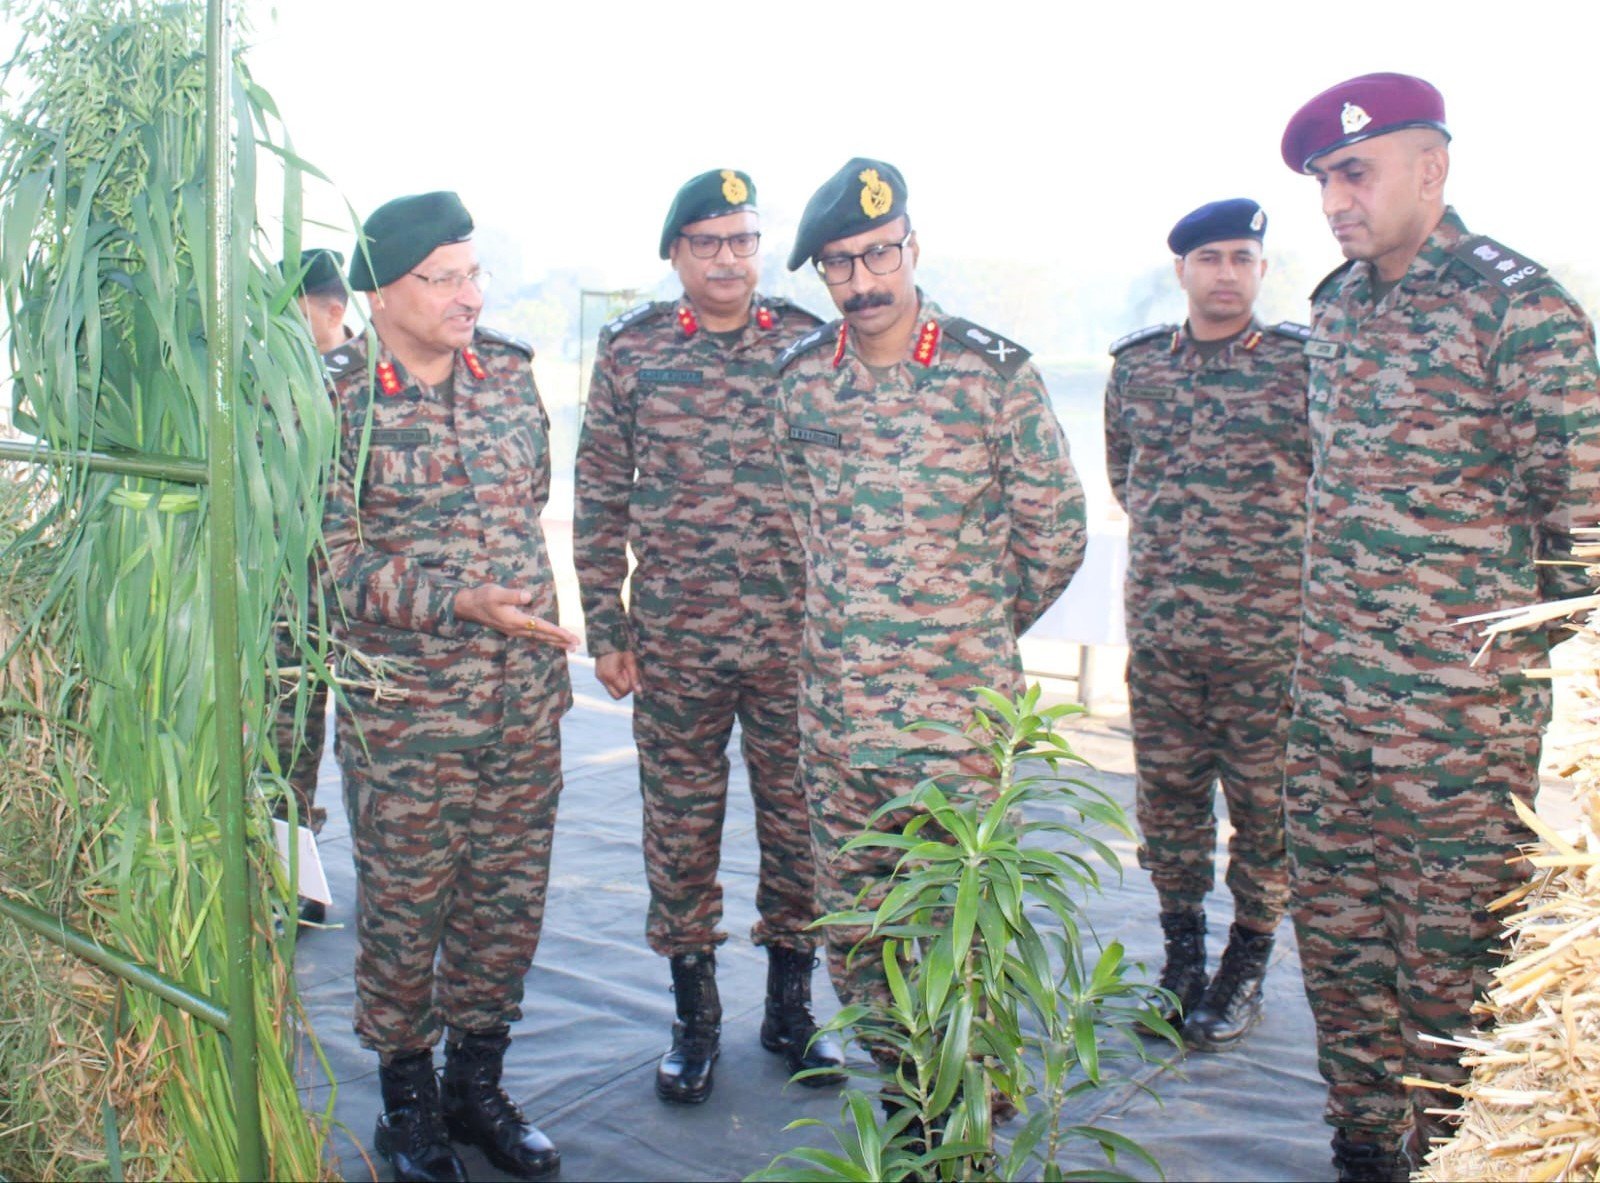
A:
(876, 195)
(734, 188)
(1353, 119)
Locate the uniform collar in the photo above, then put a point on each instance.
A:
(1430, 262)
(1247, 340)
(761, 320)
(926, 337)
(394, 380)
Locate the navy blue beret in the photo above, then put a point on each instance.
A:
(1218, 221)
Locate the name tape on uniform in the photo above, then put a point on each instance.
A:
(812, 435)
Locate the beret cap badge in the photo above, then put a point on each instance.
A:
(876, 194)
(1352, 118)
(734, 188)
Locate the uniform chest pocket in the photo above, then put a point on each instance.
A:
(943, 474)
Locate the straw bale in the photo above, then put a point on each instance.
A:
(1532, 1104)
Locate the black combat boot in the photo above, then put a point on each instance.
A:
(1232, 1003)
(410, 1134)
(477, 1111)
(788, 1027)
(1360, 1161)
(1185, 971)
(684, 1075)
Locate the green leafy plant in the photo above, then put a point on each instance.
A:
(103, 261)
(1000, 999)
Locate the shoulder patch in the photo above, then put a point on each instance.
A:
(790, 311)
(805, 344)
(1295, 332)
(1506, 268)
(636, 315)
(344, 360)
(495, 337)
(1140, 336)
(1325, 285)
(1007, 357)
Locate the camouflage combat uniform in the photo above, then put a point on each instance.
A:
(451, 788)
(1209, 456)
(940, 516)
(676, 460)
(1455, 441)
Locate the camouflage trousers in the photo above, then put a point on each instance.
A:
(1396, 847)
(1197, 720)
(682, 719)
(452, 855)
(839, 800)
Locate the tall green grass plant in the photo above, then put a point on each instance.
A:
(103, 260)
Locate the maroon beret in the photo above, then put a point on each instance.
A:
(1357, 110)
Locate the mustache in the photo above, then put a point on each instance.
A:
(729, 274)
(863, 300)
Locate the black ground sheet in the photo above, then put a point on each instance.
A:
(598, 1010)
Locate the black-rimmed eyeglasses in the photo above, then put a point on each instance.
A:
(709, 246)
(883, 259)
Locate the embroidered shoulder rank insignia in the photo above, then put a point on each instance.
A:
(1507, 268)
(805, 344)
(1007, 357)
(1295, 332)
(495, 337)
(784, 311)
(1329, 281)
(1142, 335)
(344, 360)
(635, 315)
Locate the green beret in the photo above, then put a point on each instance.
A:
(710, 195)
(403, 232)
(862, 195)
(319, 273)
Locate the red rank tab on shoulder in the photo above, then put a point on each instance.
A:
(838, 354)
(474, 366)
(764, 317)
(388, 380)
(687, 322)
(1251, 341)
(1177, 341)
(927, 344)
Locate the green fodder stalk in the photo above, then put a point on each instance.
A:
(103, 249)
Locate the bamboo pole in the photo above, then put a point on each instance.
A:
(222, 463)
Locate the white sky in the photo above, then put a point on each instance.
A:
(1024, 131)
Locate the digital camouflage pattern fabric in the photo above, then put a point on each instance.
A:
(1209, 456)
(1197, 721)
(682, 719)
(1398, 835)
(941, 516)
(452, 855)
(677, 462)
(451, 783)
(719, 569)
(1456, 441)
(447, 496)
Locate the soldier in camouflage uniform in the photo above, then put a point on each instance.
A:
(1206, 449)
(1456, 444)
(940, 516)
(676, 460)
(433, 536)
